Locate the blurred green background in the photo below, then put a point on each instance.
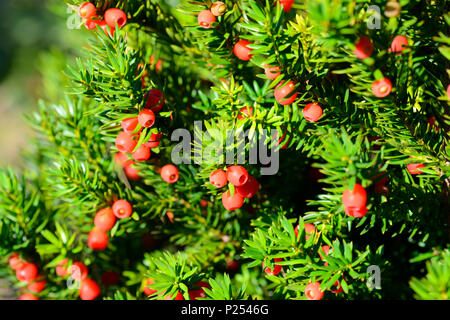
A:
(38, 38)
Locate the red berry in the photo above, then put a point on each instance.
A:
(91, 24)
(61, 270)
(200, 293)
(109, 278)
(104, 26)
(130, 124)
(286, 4)
(179, 296)
(272, 72)
(232, 202)
(169, 173)
(86, 10)
(155, 100)
(448, 92)
(232, 265)
(249, 189)
(363, 48)
(154, 140)
(312, 112)
(276, 269)
(114, 15)
(15, 261)
(237, 175)
(357, 212)
(132, 173)
(122, 209)
(218, 8)
(381, 88)
(313, 292)
(105, 219)
(78, 271)
(26, 272)
(89, 290)
(142, 153)
(338, 288)
(122, 159)
(281, 93)
(247, 111)
(242, 51)
(97, 239)
(356, 198)
(170, 215)
(413, 168)
(146, 118)
(28, 296)
(38, 285)
(399, 43)
(432, 122)
(325, 249)
(125, 142)
(309, 230)
(147, 290)
(203, 203)
(218, 178)
(206, 18)
(158, 64)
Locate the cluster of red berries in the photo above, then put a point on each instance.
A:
(194, 293)
(355, 201)
(413, 168)
(126, 140)
(104, 220)
(245, 185)
(89, 289)
(364, 49)
(88, 12)
(207, 17)
(27, 272)
(312, 290)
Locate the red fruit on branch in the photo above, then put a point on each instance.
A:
(313, 292)
(355, 198)
(61, 269)
(283, 91)
(122, 209)
(146, 118)
(232, 202)
(286, 4)
(155, 100)
(363, 48)
(249, 189)
(26, 272)
(413, 168)
(90, 23)
(38, 285)
(125, 142)
(115, 15)
(218, 8)
(142, 153)
(218, 178)
(206, 18)
(14, 261)
(131, 172)
(198, 293)
(78, 271)
(399, 43)
(147, 290)
(169, 173)
(104, 26)
(157, 65)
(105, 219)
(276, 269)
(122, 159)
(154, 140)
(237, 175)
(357, 212)
(242, 51)
(97, 239)
(86, 10)
(312, 112)
(245, 112)
(382, 88)
(272, 72)
(337, 287)
(309, 230)
(89, 290)
(129, 124)
(28, 296)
